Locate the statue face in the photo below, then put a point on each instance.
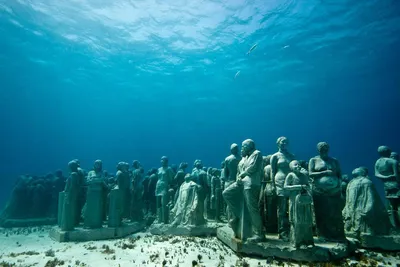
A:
(164, 161)
(295, 166)
(283, 143)
(98, 165)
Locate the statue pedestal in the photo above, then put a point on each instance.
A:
(208, 229)
(80, 234)
(381, 242)
(274, 247)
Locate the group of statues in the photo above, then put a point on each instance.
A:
(34, 197)
(256, 194)
(311, 198)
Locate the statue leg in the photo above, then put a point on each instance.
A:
(283, 217)
(231, 196)
(251, 197)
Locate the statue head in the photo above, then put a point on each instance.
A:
(234, 149)
(122, 166)
(248, 146)
(98, 165)
(183, 165)
(282, 143)
(360, 172)
(266, 160)
(136, 164)
(198, 164)
(323, 149)
(384, 151)
(164, 161)
(394, 155)
(73, 166)
(295, 166)
(77, 162)
(188, 177)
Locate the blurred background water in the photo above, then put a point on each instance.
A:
(123, 80)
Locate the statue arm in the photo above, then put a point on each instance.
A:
(316, 174)
(289, 183)
(378, 173)
(253, 164)
(274, 169)
(226, 170)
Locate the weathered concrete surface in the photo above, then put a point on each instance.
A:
(383, 242)
(209, 229)
(81, 234)
(273, 247)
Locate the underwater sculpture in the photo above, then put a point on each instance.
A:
(365, 216)
(95, 207)
(300, 212)
(200, 177)
(165, 177)
(187, 209)
(386, 169)
(268, 201)
(242, 196)
(71, 197)
(179, 179)
(279, 170)
(137, 205)
(230, 169)
(216, 195)
(326, 174)
(364, 211)
(123, 183)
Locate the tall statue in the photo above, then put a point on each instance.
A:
(230, 165)
(279, 170)
(71, 195)
(200, 177)
(165, 177)
(95, 208)
(187, 209)
(386, 169)
(300, 211)
(247, 187)
(124, 186)
(326, 175)
(364, 211)
(179, 178)
(268, 202)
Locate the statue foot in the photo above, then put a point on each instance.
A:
(256, 239)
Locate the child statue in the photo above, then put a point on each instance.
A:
(300, 200)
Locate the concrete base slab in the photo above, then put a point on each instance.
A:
(209, 229)
(82, 235)
(274, 247)
(384, 242)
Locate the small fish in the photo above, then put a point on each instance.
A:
(286, 46)
(252, 48)
(237, 74)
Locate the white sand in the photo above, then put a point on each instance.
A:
(148, 250)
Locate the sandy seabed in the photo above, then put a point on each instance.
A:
(33, 247)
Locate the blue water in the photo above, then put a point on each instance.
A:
(123, 80)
